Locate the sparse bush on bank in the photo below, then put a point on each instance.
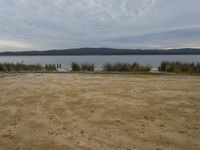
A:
(75, 67)
(125, 67)
(82, 67)
(171, 67)
(11, 67)
(178, 67)
(50, 67)
(87, 67)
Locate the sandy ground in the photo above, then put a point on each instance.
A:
(99, 112)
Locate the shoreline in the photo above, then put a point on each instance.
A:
(100, 72)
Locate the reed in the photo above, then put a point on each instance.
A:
(87, 67)
(82, 67)
(125, 67)
(178, 67)
(11, 67)
(75, 67)
(50, 67)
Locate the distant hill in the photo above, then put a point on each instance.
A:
(105, 51)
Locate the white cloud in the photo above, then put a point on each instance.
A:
(14, 44)
(97, 23)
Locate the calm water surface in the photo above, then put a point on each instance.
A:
(99, 61)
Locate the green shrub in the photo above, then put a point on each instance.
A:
(163, 66)
(125, 67)
(50, 67)
(120, 67)
(178, 67)
(82, 67)
(9, 67)
(87, 67)
(145, 68)
(75, 67)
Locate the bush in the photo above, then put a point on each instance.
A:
(82, 67)
(125, 67)
(178, 67)
(120, 67)
(163, 66)
(9, 67)
(145, 68)
(87, 67)
(75, 67)
(50, 67)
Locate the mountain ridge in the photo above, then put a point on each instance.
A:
(104, 51)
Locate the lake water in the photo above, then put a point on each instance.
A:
(99, 61)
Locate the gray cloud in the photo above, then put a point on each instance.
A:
(45, 24)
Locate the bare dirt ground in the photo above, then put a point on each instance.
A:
(99, 112)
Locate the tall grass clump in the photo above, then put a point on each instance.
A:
(178, 67)
(50, 67)
(76, 67)
(87, 67)
(82, 67)
(119, 67)
(125, 67)
(9, 67)
(32, 67)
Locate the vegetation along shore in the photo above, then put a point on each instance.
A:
(164, 67)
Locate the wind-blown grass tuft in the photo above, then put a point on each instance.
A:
(125, 67)
(178, 67)
(11, 67)
(82, 67)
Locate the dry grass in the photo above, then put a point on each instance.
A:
(99, 112)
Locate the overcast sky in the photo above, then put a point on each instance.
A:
(50, 24)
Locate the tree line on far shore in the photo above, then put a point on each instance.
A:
(171, 67)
